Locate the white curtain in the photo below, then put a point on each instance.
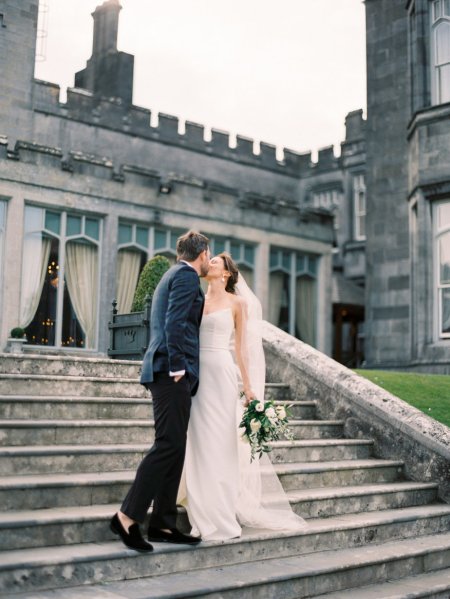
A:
(275, 297)
(128, 266)
(305, 311)
(36, 252)
(82, 283)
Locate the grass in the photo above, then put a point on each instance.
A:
(429, 393)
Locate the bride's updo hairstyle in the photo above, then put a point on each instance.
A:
(230, 266)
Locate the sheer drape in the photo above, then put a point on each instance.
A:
(248, 274)
(128, 266)
(305, 312)
(262, 501)
(82, 283)
(275, 297)
(36, 252)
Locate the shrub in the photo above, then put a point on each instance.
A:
(17, 333)
(150, 276)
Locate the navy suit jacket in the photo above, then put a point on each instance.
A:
(177, 309)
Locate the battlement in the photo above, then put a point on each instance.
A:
(114, 113)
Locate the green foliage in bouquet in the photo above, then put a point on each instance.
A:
(263, 422)
(150, 276)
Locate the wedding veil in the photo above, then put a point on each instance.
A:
(262, 501)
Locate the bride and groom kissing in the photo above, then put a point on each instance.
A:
(199, 348)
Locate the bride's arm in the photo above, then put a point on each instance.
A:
(242, 357)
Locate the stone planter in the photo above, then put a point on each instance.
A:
(16, 345)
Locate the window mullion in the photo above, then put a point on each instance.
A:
(62, 282)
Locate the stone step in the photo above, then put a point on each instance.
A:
(77, 432)
(83, 408)
(74, 386)
(69, 525)
(57, 365)
(430, 585)
(50, 459)
(310, 475)
(74, 408)
(397, 530)
(327, 502)
(95, 386)
(304, 410)
(89, 488)
(89, 432)
(317, 450)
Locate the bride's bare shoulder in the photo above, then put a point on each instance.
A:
(238, 303)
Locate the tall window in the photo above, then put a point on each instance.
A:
(359, 206)
(2, 234)
(133, 250)
(138, 243)
(293, 289)
(440, 51)
(442, 270)
(60, 272)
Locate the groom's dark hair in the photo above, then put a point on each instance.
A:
(191, 245)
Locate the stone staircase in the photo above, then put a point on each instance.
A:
(72, 431)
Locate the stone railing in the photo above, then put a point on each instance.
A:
(398, 430)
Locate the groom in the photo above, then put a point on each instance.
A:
(170, 371)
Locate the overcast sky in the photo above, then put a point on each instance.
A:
(281, 71)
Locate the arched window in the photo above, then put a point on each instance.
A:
(60, 247)
(132, 255)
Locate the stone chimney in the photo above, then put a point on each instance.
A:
(108, 73)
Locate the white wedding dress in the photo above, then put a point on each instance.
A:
(222, 490)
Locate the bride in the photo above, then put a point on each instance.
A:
(221, 489)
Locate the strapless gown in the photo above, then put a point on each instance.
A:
(222, 491)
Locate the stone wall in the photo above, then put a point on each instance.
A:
(398, 430)
(387, 247)
(43, 176)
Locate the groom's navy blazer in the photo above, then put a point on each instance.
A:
(176, 314)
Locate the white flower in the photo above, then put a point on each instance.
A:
(242, 431)
(259, 407)
(255, 425)
(270, 413)
(281, 412)
(245, 438)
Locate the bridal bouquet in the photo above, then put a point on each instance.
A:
(263, 422)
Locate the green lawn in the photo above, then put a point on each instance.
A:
(430, 393)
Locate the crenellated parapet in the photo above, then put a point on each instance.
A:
(112, 113)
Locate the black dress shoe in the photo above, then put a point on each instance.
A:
(174, 536)
(133, 538)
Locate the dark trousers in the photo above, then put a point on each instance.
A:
(158, 475)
